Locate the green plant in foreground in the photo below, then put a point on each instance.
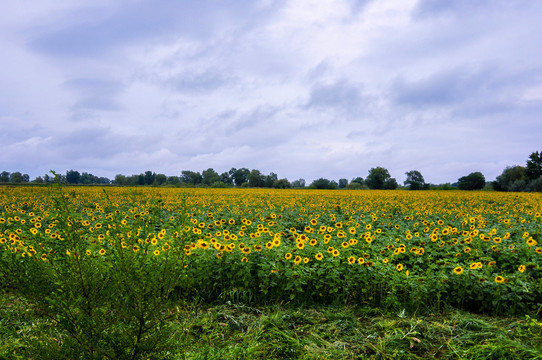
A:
(106, 303)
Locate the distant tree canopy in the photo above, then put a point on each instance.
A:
(513, 178)
(534, 166)
(322, 183)
(473, 181)
(380, 178)
(414, 180)
(522, 178)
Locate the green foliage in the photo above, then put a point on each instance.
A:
(110, 304)
(379, 178)
(511, 179)
(473, 181)
(322, 183)
(414, 180)
(534, 166)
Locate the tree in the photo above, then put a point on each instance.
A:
(513, 177)
(239, 176)
(87, 179)
(379, 178)
(191, 177)
(73, 177)
(173, 180)
(390, 184)
(256, 178)
(298, 184)
(210, 176)
(119, 179)
(282, 184)
(225, 178)
(270, 179)
(149, 177)
(4, 177)
(414, 180)
(358, 180)
(160, 179)
(343, 183)
(322, 183)
(534, 166)
(473, 181)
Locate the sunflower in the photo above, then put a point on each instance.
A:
(335, 253)
(499, 279)
(521, 268)
(399, 267)
(297, 260)
(102, 252)
(351, 260)
(288, 256)
(361, 260)
(458, 270)
(319, 256)
(156, 252)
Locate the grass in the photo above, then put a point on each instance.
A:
(237, 331)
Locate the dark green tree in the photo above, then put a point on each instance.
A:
(191, 177)
(534, 166)
(511, 179)
(119, 179)
(226, 178)
(380, 178)
(160, 179)
(322, 183)
(343, 183)
(73, 177)
(298, 184)
(239, 176)
(358, 180)
(282, 184)
(173, 180)
(149, 177)
(209, 176)
(390, 184)
(473, 181)
(4, 177)
(270, 180)
(256, 179)
(414, 180)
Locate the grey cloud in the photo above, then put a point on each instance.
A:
(140, 20)
(426, 8)
(200, 82)
(95, 94)
(440, 89)
(99, 142)
(340, 96)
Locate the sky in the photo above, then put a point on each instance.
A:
(302, 88)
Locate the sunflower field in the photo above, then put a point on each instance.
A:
(80, 255)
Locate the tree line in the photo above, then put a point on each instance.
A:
(514, 178)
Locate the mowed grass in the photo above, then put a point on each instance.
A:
(237, 331)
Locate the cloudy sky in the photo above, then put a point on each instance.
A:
(302, 88)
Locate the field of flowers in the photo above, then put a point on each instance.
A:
(107, 265)
(476, 250)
